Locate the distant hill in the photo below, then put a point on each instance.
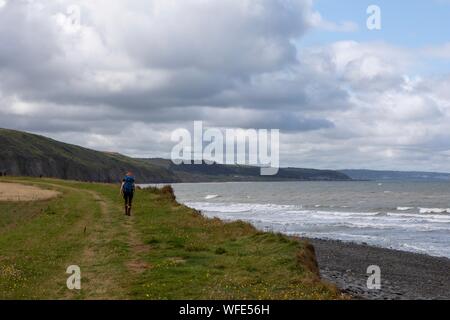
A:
(220, 172)
(396, 175)
(26, 154)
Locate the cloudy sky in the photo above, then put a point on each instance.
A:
(122, 75)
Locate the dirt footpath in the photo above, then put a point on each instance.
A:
(20, 192)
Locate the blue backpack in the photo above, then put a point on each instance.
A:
(128, 186)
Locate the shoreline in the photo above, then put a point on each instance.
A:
(167, 251)
(404, 275)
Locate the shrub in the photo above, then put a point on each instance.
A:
(168, 192)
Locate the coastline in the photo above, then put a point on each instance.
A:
(404, 275)
(164, 251)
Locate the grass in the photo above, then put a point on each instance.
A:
(164, 251)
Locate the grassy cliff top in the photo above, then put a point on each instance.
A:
(164, 251)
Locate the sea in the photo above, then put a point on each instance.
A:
(407, 216)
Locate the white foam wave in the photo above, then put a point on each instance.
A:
(404, 208)
(424, 216)
(434, 210)
(279, 212)
(240, 207)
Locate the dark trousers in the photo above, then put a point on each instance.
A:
(128, 197)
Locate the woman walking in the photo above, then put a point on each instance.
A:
(127, 190)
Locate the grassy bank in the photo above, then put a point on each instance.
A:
(164, 251)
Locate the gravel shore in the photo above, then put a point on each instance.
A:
(404, 275)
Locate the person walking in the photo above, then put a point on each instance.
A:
(127, 190)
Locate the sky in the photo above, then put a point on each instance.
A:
(123, 75)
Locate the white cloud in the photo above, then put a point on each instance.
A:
(317, 21)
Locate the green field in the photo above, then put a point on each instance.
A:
(164, 251)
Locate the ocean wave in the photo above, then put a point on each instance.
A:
(241, 207)
(413, 248)
(425, 216)
(323, 213)
(404, 208)
(434, 210)
(211, 196)
(295, 211)
(291, 215)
